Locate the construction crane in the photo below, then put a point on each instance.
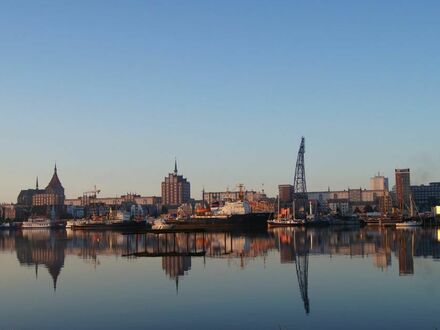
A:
(88, 196)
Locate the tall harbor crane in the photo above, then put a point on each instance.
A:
(299, 182)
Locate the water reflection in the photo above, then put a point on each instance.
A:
(48, 249)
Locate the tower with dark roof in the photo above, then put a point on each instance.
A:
(51, 197)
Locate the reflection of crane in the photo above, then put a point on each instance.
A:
(302, 268)
(89, 196)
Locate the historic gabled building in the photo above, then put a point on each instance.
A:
(53, 195)
(40, 201)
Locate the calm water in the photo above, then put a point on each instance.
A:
(284, 278)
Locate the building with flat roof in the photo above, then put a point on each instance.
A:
(379, 182)
(426, 196)
(347, 201)
(285, 193)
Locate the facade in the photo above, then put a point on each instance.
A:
(285, 193)
(222, 196)
(354, 198)
(117, 201)
(403, 188)
(176, 190)
(39, 201)
(426, 196)
(52, 196)
(25, 196)
(7, 212)
(379, 182)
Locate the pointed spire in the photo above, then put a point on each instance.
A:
(175, 165)
(55, 169)
(37, 184)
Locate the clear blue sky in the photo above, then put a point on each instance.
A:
(114, 90)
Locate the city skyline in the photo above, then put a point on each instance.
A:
(113, 93)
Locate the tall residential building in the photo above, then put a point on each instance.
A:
(285, 193)
(379, 182)
(403, 188)
(176, 190)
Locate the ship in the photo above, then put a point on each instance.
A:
(43, 222)
(236, 214)
(121, 220)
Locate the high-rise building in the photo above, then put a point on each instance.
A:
(379, 182)
(403, 188)
(176, 190)
(285, 193)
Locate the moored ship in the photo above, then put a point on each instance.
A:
(42, 223)
(36, 222)
(231, 214)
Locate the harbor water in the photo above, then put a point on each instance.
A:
(281, 278)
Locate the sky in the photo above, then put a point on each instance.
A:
(113, 91)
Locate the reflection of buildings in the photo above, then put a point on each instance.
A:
(42, 248)
(295, 245)
(175, 267)
(405, 246)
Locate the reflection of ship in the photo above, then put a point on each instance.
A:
(108, 224)
(409, 223)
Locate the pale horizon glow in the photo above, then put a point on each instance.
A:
(113, 91)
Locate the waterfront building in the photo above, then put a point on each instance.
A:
(426, 196)
(222, 196)
(176, 190)
(7, 212)
(403, 188)
(349, 200)
(103, 205)
(379, 182)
